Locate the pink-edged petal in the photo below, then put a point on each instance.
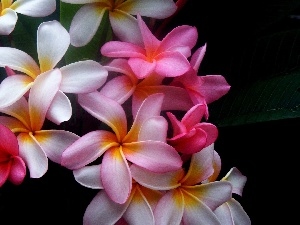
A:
(212, 194)
(155, 156)
(201, 166)
(169, 209)
(122, 49)
(106, 110)
(81, 30)
(197, 57)
(82, 77)
(41, 95)
(87, 148)
(155, 8)
(19, 61)
(150, 107)
(141, 67)
(60, 109)
(53, 41)
(4, 172)
(119, 89)
(180, 36)
(54, 142)
(171, 64)
(17, 171)
(139, 210)
(8, 141)
(13, 88)
(8, 20)
(89, 176)
(154, 128)
(13, 124)
(34, 8)
(33, 155)
(233, 211)
(18, 110)
(115, 171)
(103, 210)
(125, 27)
(195, 212)
(157, 181)
(217, 83)
(193, 116)
(211, 131)
(189, 143)
(237, 180)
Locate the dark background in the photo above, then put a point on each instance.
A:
(264, 152)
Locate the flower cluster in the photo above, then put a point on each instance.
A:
(151, 164)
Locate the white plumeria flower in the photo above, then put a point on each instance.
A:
(33, 8)
(123, 24)
(53, 41)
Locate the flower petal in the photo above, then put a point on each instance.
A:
(89, 176)
(122, 49)
(54, 142)
(8, 20)
(237, 180)
(53, 41)
(87, 148)
(82, 77)
(154, 128)
(193, 116)
(4, 172)
(115, 171)
(33, 155)
(197, 57)
(34, 8)
(13, 124)
(13, 88)
(81, 30)
(103, 210)
(60, 109)
(155, 156)
(8, 141)
(17, 171)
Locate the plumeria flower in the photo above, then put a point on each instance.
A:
(12, 166)
(144, 145)
(33, 8)
(202, 89)
(52, 43)
(122, 21)
(126, 85)
(138, 207)
(168, 57)
(26, 120)
(187, 200)
(190, 135)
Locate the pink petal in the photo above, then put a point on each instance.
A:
(197, 57)
(13, 124)
(4, 172)
(122, 49)
(82, 77)
(193, 116)
(87, 149)
(141, 67)
(41, 95)
(54, 142)
(237, 180)
(38, 8)
(33, 155)
(210, 130)
(178, 128)
(103, 210)
(17, 171)
(155, 156)
(169, 209)
(8, 20)
(8, 142)
(155, 129)
(13, 88)
(89, 176)
(115, 171)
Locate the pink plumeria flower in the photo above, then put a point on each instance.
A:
(26, 120)
(202, 89)
(12, 166)
(33, 8)
(122, 21)
(52, 43)
(139, 205)
(168, 57)
(127, 85)
(144, 145)
(187, 200)
(190, 135)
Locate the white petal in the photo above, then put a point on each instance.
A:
(8, 20)
(34, 8)
(89, 176)
(53, 41)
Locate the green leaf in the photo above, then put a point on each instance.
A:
(272, 99)
(92, 49)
